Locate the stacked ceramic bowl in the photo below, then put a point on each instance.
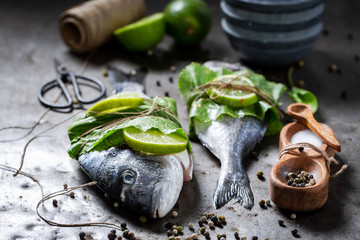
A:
(272, 32)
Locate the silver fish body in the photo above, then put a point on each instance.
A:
(147, 184)
(230, 140)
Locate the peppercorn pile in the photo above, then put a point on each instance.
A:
(300, 179)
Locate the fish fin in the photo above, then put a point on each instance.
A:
(234, 186)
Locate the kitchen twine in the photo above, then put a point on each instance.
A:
(327, 158)
(90, 24)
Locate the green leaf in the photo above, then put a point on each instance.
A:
(203, 108)
(193, 76)
(300, 95)
(96, 133)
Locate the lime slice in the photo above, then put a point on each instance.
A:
(115, 103)
(142, 35)
(233, 97)
(155, 142)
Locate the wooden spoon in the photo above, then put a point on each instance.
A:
(302, 112)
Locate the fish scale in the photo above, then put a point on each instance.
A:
(231, 140)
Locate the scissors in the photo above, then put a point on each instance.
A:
(65, 76)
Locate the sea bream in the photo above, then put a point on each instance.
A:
(231, 140)
(230, 133)
(144, 183)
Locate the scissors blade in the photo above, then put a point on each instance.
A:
(58, 65)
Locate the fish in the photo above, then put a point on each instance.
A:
(147, 184)
(231, 140)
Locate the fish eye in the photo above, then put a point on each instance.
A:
(128, 177)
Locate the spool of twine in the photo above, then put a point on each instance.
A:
(92, 23)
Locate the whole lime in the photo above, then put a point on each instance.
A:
(187, 21)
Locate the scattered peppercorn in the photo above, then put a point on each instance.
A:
(119, 238)
(133, 72)
(202, 230)
(194, 236)
(211, 224)
(171, 80)
(254, 238)
(82, 235)
(254, 155)
(281, 222)
(171, 238)
(201, 223)
(126, 233)
(357, 57)
(191, 226)
(116, 204)
(294, 232)
(262, 203)
(123, 225)
(142, 219)
(207, 234)
(236, 235)
(169, 233)
(55, 203)
(175, 232)
(259, 174)
(111, 236)
(131, 235)
(214, 219)
(179, 229)
(222, 218)
(150, 52)
(105, 72)
(65, 186)
(177, 238)
(173, 68)
(293, 216)
(72, 194)
(113, 231)
(203, 218)
(267, 202)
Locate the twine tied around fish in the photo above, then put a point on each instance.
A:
(154, 108)
(221, 86)
(300, 146)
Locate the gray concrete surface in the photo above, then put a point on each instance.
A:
(29, 41)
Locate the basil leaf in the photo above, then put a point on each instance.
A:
(300, 95)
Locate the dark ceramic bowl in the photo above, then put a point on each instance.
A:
(274, 6)
(277, 22)
(271, 50)
(272, 37)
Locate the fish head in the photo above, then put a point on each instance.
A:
(147, 184)
(150, 184)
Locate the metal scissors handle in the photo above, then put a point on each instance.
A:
(64, 76)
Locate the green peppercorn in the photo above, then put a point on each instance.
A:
(179, 229)
(202, 230)
(222, 218)
(171, 238)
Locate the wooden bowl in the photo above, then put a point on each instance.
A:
(296, 198)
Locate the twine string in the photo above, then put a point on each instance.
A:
(62, 192)
(328, 159)
(221, 86)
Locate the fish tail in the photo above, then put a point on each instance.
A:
(234, 186)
